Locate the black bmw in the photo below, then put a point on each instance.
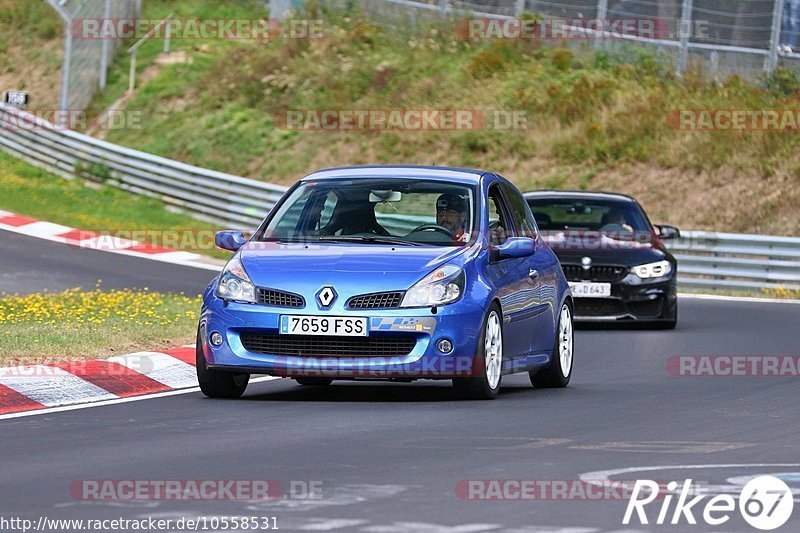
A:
(614, 258)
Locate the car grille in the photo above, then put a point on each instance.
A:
(646, 307)
(599, 273)
(598, 307)
(278, 298)
(381, 300)
(325, 346)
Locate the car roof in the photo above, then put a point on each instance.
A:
(577, 195)
(458, 175)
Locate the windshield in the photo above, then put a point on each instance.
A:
(611, 217)
(376, 211)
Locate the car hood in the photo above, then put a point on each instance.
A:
(350, 269)
(571, 248)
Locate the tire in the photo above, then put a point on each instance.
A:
(218, 383)
(558, 373)
(487, 384)
(314, 382)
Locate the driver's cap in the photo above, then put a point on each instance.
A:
(451, 202)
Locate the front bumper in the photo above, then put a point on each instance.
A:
(459, 322)
(632, 299)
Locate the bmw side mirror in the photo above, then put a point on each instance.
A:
(668, 232)
(230, 240)
(515, 248)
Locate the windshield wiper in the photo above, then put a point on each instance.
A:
(378, 239)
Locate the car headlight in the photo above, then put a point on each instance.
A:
(442, 286)
(653, 270)
(235, 284)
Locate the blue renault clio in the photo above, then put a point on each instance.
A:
(395, 273)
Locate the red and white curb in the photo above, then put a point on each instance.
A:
(43, 387)
(88, 240)
(25, 388)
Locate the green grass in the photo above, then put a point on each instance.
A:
(77, 324)
(30, 191)
(25, 24)
(200, 50)
(596, 119)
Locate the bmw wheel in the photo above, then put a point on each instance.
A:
(489, 362)
(559, 371)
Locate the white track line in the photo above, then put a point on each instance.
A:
(178, 257)
(102, 403)
(747, 299)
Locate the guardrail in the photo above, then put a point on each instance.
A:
(706, 259)
(206, 194)
(737, 261)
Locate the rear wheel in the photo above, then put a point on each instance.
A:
(314, 382)
(559, 371)
(218, 383)
(489, 360)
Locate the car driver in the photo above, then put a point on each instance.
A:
(451, 213)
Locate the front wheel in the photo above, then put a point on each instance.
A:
(489, 360)
(558, 373)
(217, 383)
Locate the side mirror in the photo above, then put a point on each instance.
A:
(515, 248)
(668, 232)
(230, 240)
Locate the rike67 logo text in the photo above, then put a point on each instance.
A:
(765, 503)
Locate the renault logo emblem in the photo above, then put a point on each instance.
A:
(586, 262)
(326, 296)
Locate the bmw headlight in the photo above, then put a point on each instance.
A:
(653, 270)
(235, 284)
(442, 286)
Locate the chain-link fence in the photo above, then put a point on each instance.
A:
(718, 37)
(86, 60)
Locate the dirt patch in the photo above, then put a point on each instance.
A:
(37, 72)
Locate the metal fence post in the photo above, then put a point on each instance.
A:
(105, 50)
(685, 32)
(167, 38)
(443, 8)
(519, 8)
(132, 79)
(65, 69)
(602, 15)
(771, 61)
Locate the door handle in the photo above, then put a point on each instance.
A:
(533, 274)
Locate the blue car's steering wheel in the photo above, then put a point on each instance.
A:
(433, 227)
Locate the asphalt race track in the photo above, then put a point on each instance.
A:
(390, 456)
(28, 264)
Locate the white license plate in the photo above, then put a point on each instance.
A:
(590, 290)
(324, 325)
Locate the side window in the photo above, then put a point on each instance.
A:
(523, 224)
(499, 224)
